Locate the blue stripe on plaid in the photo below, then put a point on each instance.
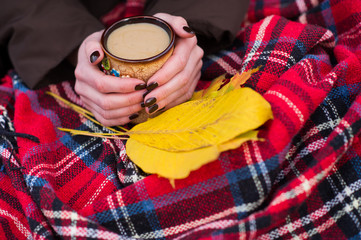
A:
(148, 206)
(84, 150)
(342, 93)
(190, 192)
(356, 237)
(18, 84)
(297, 45)
(328, 17)
(289, 40)
(35, 181)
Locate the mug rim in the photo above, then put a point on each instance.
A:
(138, 19)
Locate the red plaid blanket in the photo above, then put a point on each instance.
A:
(302, 182)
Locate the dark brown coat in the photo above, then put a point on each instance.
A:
(37, 36)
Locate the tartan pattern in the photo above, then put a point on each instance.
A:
(302, 182)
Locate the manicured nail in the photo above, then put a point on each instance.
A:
(142, 104)
(153, 108)
(140, 86)
(94, 56)
(150, 101)
(188, 29)
(146, 93)
(152, 86)
(133, 116)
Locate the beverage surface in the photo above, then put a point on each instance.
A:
(137, 41)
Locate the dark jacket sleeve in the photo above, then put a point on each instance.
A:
(40, 34)
(216, 22)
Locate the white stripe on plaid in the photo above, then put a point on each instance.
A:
(89, 233)
(257, 43)
(115, 215)
(18, 224)
(290, 227)
(99, 189)
(247, 207)
(252, 170)
(79, 231)
(308, 69)
(222, 63)
(292, 106)
(318, 214)
(81, 149)
(122, 207)
(261, 162)
(40, 227)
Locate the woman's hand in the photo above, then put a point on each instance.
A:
(113, 101)
(175, 82)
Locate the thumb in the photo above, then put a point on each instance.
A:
(93, 48)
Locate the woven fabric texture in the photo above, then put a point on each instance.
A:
(302, 182)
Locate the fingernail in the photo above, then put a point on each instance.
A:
(142, 105)
(146, 93)
(188, 29)
(152, 86)
(133, 116)
(153, 108)
(140, 86)
(150, 101)
(94, 56)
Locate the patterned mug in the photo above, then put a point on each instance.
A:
(142, 68)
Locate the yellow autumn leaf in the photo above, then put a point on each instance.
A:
(171, 165)
(204, 122)
(219, 85)
(211, 90)
(178, 165)
(194, 133)
(238, 141)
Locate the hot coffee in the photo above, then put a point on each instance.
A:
(138, 41)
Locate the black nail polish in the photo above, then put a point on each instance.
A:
(152, 86)
(146, 93)
(140, 86)
(133, 116)
(150, 101)
(153, 108)
(142, 105)
(94, 56)
(188, 29)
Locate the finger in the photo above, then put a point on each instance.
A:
(179, 25)
(182, 79)
(181, 94)
(174, 64)
(107, 83)
(111, 100)
(107, 122)
(93, 48)
(113, 113)
(176, 99)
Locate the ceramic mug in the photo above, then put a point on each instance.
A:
(142, 68)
